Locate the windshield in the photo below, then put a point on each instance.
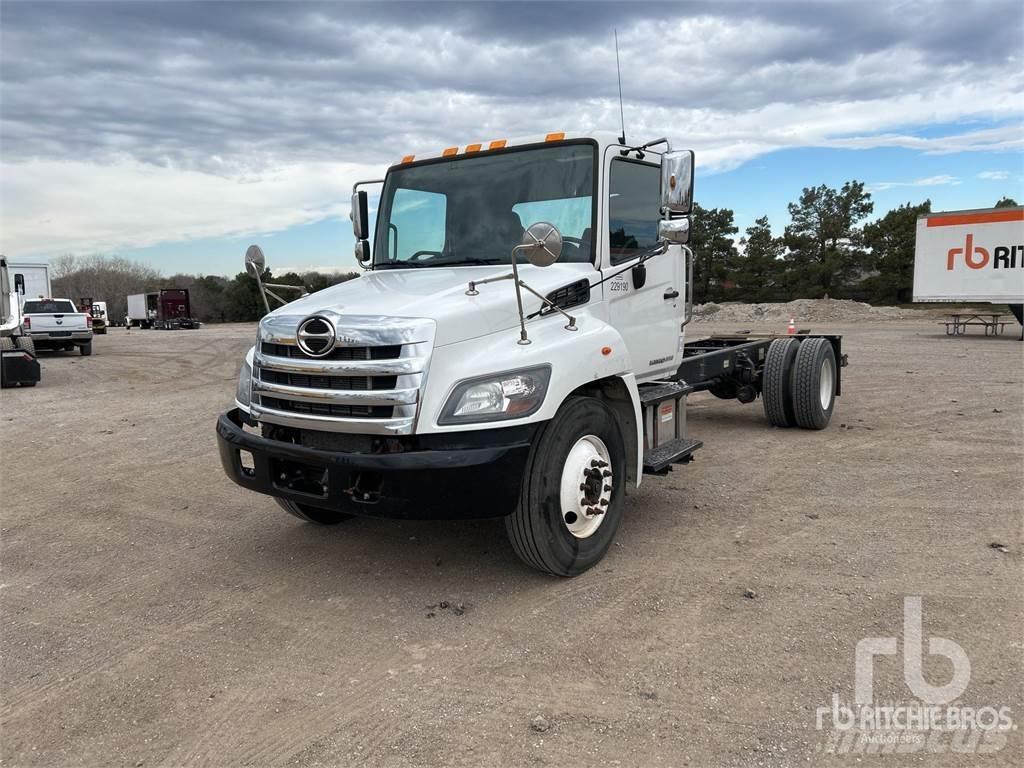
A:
(49, 307)
(474, 210)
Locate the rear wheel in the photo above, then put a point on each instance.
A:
(86, 349)
(25, 344)
(314, 515)
(776, 382)
(6, 343)
(571, 501)
(814, 384)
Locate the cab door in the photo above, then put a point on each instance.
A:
(647, 308)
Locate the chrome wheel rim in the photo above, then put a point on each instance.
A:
(586, 487)
(827, 383)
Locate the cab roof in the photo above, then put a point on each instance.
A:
(603, 139)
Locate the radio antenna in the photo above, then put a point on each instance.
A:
(618, 71)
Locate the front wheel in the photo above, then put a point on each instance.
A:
(310, 514)
(571, 501)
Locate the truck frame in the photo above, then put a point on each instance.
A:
(429, 388)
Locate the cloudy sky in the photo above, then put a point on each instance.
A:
(177, 133)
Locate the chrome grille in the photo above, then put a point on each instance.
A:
(369, 382)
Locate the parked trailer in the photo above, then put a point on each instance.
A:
(971, 256)
(166, 309)
(559, 368)
(33, 280)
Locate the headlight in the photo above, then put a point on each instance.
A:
(499, 396)
(243, 391)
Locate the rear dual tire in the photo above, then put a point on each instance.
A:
(799, 383)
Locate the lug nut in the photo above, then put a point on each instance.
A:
(604, 502)
(606, 473)
(607, 488)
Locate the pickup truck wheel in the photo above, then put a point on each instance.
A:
(776, 382)
(86, 349)
(570, 504)
(26, 344)
(310, 514)
(814, 384)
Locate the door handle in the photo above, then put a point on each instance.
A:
(671, 294)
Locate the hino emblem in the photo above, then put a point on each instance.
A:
(316, 336)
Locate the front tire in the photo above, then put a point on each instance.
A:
(572, 497)
(314, 515)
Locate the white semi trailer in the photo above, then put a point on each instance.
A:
(971, 256)
(33, 280)
(514, 349)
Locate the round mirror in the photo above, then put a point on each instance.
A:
(255, 261)
(542, 244)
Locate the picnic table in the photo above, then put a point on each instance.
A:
(957, 323)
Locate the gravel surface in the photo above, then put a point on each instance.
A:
(155, 614)
(803, 311)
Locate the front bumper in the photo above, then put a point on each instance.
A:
(431, 482)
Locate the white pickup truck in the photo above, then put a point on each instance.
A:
(57, 324)
(516, 349)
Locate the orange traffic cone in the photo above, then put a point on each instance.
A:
(792, 326)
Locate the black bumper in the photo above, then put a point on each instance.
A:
(435, 482)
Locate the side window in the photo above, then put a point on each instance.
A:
(634, 207)
(417, 223)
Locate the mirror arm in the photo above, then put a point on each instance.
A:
(572, 320)
(688, 276)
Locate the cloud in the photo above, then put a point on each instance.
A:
(184, 119)
(994, 175)
(930, 181)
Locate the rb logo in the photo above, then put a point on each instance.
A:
(976, 257)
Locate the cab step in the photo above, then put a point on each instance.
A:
(679, 451)
(666, 441)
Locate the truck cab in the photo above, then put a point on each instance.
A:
(512, 349)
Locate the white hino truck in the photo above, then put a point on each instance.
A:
(516, 348)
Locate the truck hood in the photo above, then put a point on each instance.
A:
(439, 294)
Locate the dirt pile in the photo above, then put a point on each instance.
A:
(802, 310)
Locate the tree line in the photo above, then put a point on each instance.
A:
(214, 299)
(825, 250)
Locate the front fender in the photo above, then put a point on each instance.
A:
(592, 353)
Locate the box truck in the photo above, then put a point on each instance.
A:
(971, 256)
(18, 364)
(516, 348)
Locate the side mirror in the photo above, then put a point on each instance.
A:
(675, 230)
(19, 284)
(362, 251)
(542, 244)
(677, 181)
(255, 261)
(360, 216)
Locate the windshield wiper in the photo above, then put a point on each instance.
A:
(449, 263)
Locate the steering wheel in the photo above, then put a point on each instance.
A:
(416, 256)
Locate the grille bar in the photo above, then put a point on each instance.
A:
(339, 396)
(397, 367)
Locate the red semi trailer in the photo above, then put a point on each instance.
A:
(166, 309)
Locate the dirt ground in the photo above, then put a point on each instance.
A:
(153, 613)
